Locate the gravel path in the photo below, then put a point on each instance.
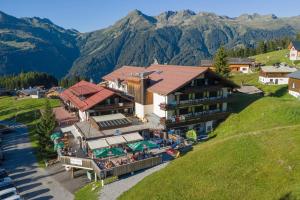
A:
(32, 182)
(115, 189)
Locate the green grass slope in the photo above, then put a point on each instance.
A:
(256, 155)
(275, 57)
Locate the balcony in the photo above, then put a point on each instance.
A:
(202, 88)
(113, 106)
(207, 101)
(193, 118)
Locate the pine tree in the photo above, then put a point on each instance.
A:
(44, 129)
(220, 62)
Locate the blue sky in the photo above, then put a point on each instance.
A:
(88, 15)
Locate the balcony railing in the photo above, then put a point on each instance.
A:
(202, 88)
(113, 106)
(194, 118)
(208, 100)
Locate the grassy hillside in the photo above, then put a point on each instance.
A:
(275, 57)
(25, 111)
(256, 155)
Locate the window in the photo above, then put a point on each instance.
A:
(213, 107)
(184, 97)
(198, 109)
(213, 94)
(199, 82)
(183, 111)
(199, 95)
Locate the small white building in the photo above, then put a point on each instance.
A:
(275, 75)
(294, 48)
(294, 84)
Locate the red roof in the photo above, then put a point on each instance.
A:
(75, 95)
(84, 88)
(165, 78)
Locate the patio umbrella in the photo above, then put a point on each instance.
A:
(191, 135)
(107, 152)
(59, 145)
(55, 136)
(140, 146)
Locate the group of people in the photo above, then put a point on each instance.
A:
(130, 158)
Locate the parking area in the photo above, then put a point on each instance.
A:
(31, 181)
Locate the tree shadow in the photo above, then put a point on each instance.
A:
(242, 101)
(288, 196)
(280, 92)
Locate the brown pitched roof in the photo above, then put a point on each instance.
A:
(168, 78)
(164, 78)
(123, 73)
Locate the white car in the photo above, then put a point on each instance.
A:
(4, 194)
(5, 180)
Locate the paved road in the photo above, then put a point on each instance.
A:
(114, 190)
(32, 182)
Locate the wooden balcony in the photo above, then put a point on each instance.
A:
(134, 166)
(113, 106)
(90, 164)
(191, 102)
(203, 88)
(194, 118)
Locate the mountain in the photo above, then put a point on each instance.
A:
(182, 37)
(35, 44)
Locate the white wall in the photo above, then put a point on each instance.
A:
(209, 126)
(225, 92)
(245, 70)
(114, 85)
(295, 94)
(83, 115)
(294, 54)
(281, 80)
(157, 100)
(224, 106)
(142, 110)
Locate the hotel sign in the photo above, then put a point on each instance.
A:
(75, 161)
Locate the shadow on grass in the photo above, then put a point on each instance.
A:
(288, 196)
(280, 92)
(241, 101)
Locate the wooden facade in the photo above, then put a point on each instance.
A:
(273, 74)
(294, 84)
(137, 87)
(114, 104)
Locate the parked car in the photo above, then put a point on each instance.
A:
(14, 197)
(5, 129)
(4, 194)
(6, 180)
(1, 155)
(6, 185)
(3, 173)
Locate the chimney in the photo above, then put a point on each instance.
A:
(144, 85)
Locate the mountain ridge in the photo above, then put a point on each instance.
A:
(174, 37)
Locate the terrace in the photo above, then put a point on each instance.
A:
(192, 118)
(205, 100)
